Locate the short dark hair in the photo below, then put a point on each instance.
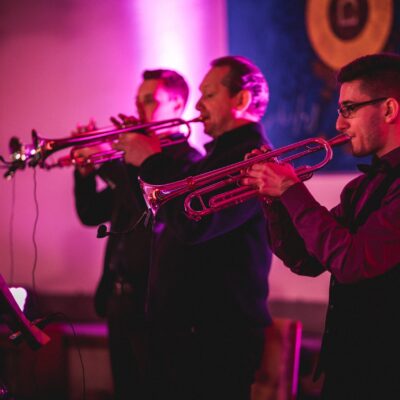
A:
(172, 81)
(379, 74)
(244, 75)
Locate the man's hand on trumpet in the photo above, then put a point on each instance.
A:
(81, 154)
(271, 178)
(137, 147)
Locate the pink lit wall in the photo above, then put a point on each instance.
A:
(62, 62)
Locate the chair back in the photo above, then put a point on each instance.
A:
(277, 376)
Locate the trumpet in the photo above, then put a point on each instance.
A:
(196, 187)
(35, 154)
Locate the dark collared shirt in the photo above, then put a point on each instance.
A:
(121, 203)
(358, 242)
(211, 272)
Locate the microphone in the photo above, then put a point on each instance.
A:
(102, 231)
(14, 145)
(18, 162)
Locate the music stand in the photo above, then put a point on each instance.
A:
(16, 320)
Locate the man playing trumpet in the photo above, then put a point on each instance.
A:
(120, 295)
(208, 279)
(357, 242)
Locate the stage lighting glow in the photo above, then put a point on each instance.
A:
(177, 34)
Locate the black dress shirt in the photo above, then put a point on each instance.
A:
(122, 204)
(213, 271)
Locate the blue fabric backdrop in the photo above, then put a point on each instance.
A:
(303, 89)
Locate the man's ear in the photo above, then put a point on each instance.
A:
(178, 104)
(392, 109)
(243, 100)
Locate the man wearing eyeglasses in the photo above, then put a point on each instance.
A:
(358, 242)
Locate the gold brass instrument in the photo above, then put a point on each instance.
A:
(35, 154)
(94, 159)
(196, 187)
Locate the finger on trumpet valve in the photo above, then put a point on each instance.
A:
(91, 126)
(265, 148)
(116, 122)
(275, 160)
(128, 120)
(87, 128)
(248, 156)
(123, 121)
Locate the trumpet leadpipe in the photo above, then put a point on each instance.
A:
(41, 148)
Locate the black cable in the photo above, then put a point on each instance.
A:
(35, 384)
(102, 229)
(34, 297)
(35, 258)
(54, 315)
(11, 232)
(41, 323)
(51, 317)
(4, 163)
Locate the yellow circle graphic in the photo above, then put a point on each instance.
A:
(335, 51)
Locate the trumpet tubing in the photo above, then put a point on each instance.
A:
(36, 153)
(196, 187)
(80, 161)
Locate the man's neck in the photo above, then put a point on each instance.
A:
(237, 123)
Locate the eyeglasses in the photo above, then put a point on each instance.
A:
(347, 110)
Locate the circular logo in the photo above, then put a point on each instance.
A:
(342, 30)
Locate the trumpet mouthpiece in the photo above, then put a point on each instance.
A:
(197, 119)
(339, 139)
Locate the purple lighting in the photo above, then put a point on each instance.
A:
(82, 63)
(177, 34)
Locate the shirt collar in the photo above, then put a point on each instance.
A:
(392, 158)
(381, 164)
(234, 135)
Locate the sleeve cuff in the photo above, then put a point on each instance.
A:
(297, 197)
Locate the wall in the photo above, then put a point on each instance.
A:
(62, 62)
(66, 61)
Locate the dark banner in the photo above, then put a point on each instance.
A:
(300, 45)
